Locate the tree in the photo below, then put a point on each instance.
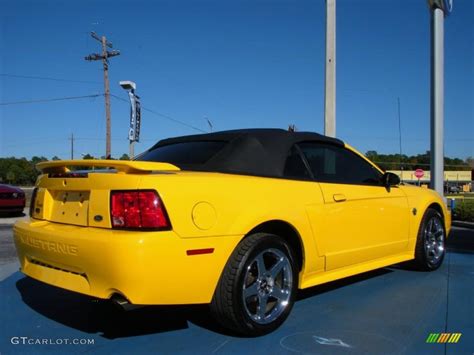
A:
(10, 177)
(124, 157)
(422, 161)
(470, 162)
(55, 158)
(87, 156)
(372, 155)
(18, 171)
(35, 160)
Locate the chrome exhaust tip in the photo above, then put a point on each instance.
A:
(122, 303)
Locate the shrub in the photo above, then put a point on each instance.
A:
(464, 210)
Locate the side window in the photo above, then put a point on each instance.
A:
(294, 166)
(334, 164)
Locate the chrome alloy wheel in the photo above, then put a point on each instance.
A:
(267, 287)
(434, 240)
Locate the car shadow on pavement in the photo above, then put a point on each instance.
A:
(334, 285)
(95, 316)
(461, 242)
(11, 215)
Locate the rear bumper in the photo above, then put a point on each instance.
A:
(13, 205)
(11, 209)
(144, 267)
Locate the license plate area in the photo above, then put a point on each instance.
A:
(70, 207)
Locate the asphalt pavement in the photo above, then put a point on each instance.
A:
(8, 219)
(388, 311)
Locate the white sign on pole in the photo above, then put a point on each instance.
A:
(448, 6)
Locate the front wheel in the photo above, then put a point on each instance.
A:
(257, 288)
(431, 241)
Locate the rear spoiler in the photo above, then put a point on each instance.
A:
(122, 166)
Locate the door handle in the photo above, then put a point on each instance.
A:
(339, 197)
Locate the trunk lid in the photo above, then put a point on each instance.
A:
(82, 197)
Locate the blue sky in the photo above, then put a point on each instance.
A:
(241, 63)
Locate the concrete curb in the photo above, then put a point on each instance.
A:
(463, 224)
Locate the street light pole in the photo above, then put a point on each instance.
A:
(439, 8)
(437, 101)
(131, 150)
(330, 77)
(134, 131)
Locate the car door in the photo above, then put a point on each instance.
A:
(360, 220)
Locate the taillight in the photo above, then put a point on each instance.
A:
(33, 201)
(138, 210)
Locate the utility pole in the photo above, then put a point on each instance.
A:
(105, 62)
(330, 80)
(72, 146)
(439, 9)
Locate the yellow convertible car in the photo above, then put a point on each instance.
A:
(238, 219)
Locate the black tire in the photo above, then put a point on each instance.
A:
(236, 307)
(430, 246)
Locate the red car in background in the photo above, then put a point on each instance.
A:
(12, 199)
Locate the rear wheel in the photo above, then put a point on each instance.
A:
(257, 288)
(431, 241)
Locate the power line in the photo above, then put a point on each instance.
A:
(163, 115)
(49, 100)
(173, 119)
(373, 138)
(60, 141)
(48, 78)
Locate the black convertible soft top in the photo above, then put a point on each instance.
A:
(261, 152)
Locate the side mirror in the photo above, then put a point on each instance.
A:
(390, 179)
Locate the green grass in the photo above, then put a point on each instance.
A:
(464, 210)
(461, 195)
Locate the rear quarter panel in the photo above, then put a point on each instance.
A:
(232, 205)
